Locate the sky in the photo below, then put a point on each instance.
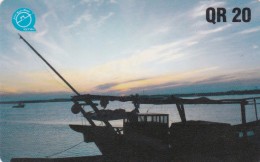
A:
(130, 46)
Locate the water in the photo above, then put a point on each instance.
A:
(41, 130)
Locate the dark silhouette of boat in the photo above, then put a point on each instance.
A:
(19, 105)
(150, 136)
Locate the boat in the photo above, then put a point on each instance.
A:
(151, 137)
(19, 105)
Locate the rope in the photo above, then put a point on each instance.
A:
(150, 107)
(64, 150)
(101, 123)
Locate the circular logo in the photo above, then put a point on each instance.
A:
(24, 19)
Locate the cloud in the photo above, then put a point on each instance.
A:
(106, 86)
(249, 31)
(44, 35)
(7, 60)
(161, 79)
(103, 19)
(81, 19)
(90, 2)
(109, 86)
(195, 78)
(161, 46)
(1, 1)
(200, 10)
(254, 1)
(219, 29)
(193, 82)
(48, 44)
(87, 17)
(113, 1)
(113, 74)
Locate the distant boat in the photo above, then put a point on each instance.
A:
(20, 105)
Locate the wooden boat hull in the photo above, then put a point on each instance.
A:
(219, 141)
(123, 146)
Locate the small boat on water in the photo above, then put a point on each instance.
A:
(19, 105)
(150, 136)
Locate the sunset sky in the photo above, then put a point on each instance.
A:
(128, 46)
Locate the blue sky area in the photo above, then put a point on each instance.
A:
(128, 46)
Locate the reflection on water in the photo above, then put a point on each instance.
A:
(40, 130)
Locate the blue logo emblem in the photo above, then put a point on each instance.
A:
(24, 19)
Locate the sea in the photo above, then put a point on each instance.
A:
(41, 130)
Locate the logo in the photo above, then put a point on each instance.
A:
(24, 19)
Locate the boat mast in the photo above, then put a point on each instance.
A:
(88, 101)
(55, 71)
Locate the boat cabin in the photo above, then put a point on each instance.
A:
(151, 125)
